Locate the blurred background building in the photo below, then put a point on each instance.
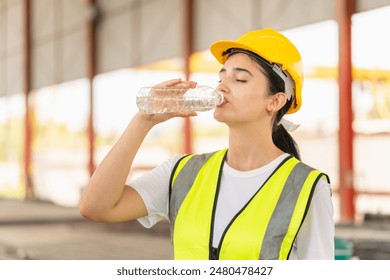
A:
(70, 69)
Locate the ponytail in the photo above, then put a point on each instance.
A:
(283, 140)
(280, 136)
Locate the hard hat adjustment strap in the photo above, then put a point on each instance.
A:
(288, 81)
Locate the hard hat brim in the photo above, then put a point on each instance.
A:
(219, 48)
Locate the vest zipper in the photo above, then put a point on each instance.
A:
(214, 253)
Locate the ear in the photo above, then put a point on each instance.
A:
(276, 102)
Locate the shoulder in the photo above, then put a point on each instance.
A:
(323, 189)
(309, 167)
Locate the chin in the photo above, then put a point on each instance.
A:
(219, 116)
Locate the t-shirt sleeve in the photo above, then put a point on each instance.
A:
(153, 187)
(315, 240)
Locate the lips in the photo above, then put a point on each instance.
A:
(223, 102)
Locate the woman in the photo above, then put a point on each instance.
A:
(254, 200)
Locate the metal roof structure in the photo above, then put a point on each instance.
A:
(131, 32)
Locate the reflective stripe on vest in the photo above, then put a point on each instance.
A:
(266, 226)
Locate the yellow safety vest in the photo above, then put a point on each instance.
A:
(265, 228)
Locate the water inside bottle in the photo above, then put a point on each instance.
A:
(167, 100)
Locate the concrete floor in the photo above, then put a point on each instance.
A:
(44, 231)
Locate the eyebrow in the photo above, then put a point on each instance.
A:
(236, 69)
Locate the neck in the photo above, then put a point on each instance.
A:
(251, 147)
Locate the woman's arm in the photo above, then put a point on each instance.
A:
(106, 198)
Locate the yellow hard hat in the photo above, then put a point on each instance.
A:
(276, 49)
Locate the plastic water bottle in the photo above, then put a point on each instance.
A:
(155, 100)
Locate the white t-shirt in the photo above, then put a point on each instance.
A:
(315, 239)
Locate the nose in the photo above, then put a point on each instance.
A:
(222, 88)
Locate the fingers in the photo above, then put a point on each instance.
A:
(169, 83)
(181, 114)
(155, 119)
(186, 114)
(177, 83)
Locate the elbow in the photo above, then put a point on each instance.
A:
(88, 206)
(91, 211)
(88, 211)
